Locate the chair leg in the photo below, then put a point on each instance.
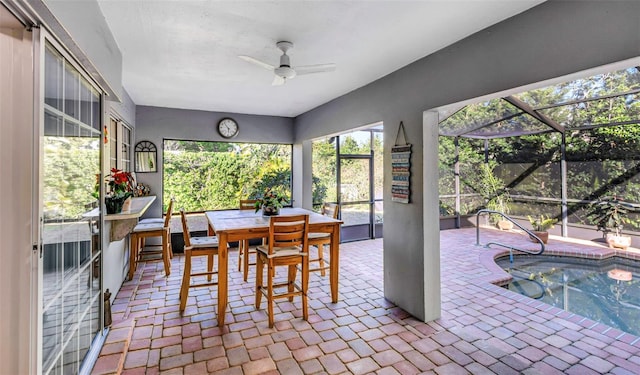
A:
(210, 264)
(321, 259)
(186, 280)
(291, 280)
(165, 253)
(259, 272)
(240, 254)
(270, 292)
(140, 247)
(305, 286)
(245, 259)
(169, 244)
(133, 244)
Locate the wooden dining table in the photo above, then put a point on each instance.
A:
(238, 225)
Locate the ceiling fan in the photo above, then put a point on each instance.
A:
(285, 71)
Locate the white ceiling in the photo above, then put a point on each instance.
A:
(184, 54)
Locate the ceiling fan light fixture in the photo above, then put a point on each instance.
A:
(285, 72)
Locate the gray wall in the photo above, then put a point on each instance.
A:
(83, 29)
(551, 40)
(124, 110)
(155, 124)
(115, 255)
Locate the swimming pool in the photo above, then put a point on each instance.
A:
(606, 291)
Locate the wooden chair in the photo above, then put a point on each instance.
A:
(244, 251)
(141, 232)
(287, 246)
(193, 247)
(155, 220)
(150, 220)
(319, 240)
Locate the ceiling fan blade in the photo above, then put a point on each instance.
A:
(318, 68)
(257, 62)
(278, 81)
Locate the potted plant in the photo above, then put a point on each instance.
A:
(496, 195)
(120, 188)
(609, 215)
(541, 225)
(271, 202)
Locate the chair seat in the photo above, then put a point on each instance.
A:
(318, 236)
(202, 242)
(148, 227)
(281, 251)
(151, 220)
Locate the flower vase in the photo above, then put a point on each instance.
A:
(114, 204)
(270, 211)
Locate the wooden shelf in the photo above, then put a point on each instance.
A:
(139, 206)
(123, 223)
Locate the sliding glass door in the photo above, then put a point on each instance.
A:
(348, 170)
(360, 183)
(70, 270)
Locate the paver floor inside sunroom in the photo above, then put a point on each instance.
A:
(484, 328)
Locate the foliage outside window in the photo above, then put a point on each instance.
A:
(324, 159)
(71, 140)
(600, 116)
(324, 156)
(216, 175)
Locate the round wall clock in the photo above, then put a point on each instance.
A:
(228, 127)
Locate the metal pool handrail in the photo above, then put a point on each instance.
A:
(510, 247)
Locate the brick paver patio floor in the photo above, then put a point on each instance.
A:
(484, 328)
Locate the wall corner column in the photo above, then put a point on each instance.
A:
(431, 217)
(302, 175)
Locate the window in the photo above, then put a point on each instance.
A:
(216, 175)
(125, 147)
(69, 276)
(119, 135)
(113, 143)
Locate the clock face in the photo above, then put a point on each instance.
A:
(228, 128)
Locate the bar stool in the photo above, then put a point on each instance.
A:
(155, 220)
(319, 240)
(287, 246)
(141, 232)
(193, 247)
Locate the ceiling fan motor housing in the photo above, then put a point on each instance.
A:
(285, 70)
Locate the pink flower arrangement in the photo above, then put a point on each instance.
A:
(270, 199)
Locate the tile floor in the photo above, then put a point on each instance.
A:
(484, 328)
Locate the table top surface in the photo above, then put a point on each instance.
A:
(244, 219)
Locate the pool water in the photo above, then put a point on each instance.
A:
(606, 291)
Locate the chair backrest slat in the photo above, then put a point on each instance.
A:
(247, 204)
(331, 209)
(185, 229)
(288, 231)
(167, 218)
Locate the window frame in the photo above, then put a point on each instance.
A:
(120, 136)
(164, 144)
